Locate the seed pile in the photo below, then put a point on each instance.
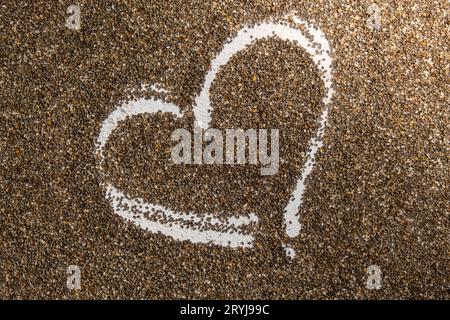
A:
(378, 194)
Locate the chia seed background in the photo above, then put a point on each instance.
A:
(379, 193)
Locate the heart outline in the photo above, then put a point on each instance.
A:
(199, 229)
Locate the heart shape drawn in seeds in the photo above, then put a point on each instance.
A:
(209, 228)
